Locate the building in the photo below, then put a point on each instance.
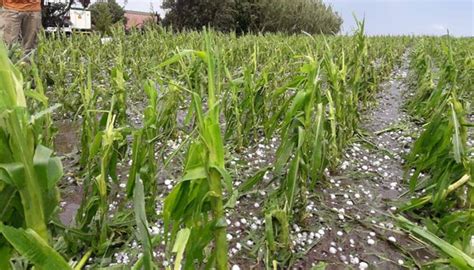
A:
(137, 18)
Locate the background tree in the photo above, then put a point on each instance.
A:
(194, 14)
(85, 3)
(290, 16)
(105, 14)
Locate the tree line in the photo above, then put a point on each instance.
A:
(241, 16)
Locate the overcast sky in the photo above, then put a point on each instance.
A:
(386, 17)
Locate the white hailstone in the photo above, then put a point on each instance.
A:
(386, 157)
(344, 165)
(370, 241)
(332, 250)
(122, 185)
(262, 192)
(256, 205)
(349, 202)
(372, 211)
(339, 233)
(170, 186)
(321, 231)
(237, 224)
(249, 243)
(393, 208)
(229, 237)
(297, 228)
(234, 250)
(243, 221)
(235, 267)
(372, 234)
(165, 263)
(357, 216)
(317, 235)
(332, 196)
(365, 168)
(167, 182)
(363, 265)
(400, 262)
(355, 260)
(254, 227)
(392, 239)
(228, 221)
(232, 163)
(346, 196)
(343, 258)
(341, 216)
(357, 195)
(238, 246)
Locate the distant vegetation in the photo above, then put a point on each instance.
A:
(242, 16)
(105, 14)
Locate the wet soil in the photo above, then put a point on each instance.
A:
(364, 193)
(66, 144)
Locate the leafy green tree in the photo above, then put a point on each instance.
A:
(194, 14)
(105, 14)
(290, 16)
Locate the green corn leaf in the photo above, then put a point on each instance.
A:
(180, 245)
(30, 245)
(12, 174)
(142, 224)
(254, 180)
(11, 82)
(47, 168)
(136, 162)
(291, 181)
(457, 140)
(269, 236)
(5, 253)
(457, 257)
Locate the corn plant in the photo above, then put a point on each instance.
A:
(197, 203)
(143, 152)
(28, 178)
(103, 155)
(441, 152)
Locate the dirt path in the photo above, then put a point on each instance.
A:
(359, 232)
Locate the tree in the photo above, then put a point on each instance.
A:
(242, 16)
(105, 14)
(85, 3)
(194, 14)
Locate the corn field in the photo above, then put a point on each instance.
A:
(203, 150)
